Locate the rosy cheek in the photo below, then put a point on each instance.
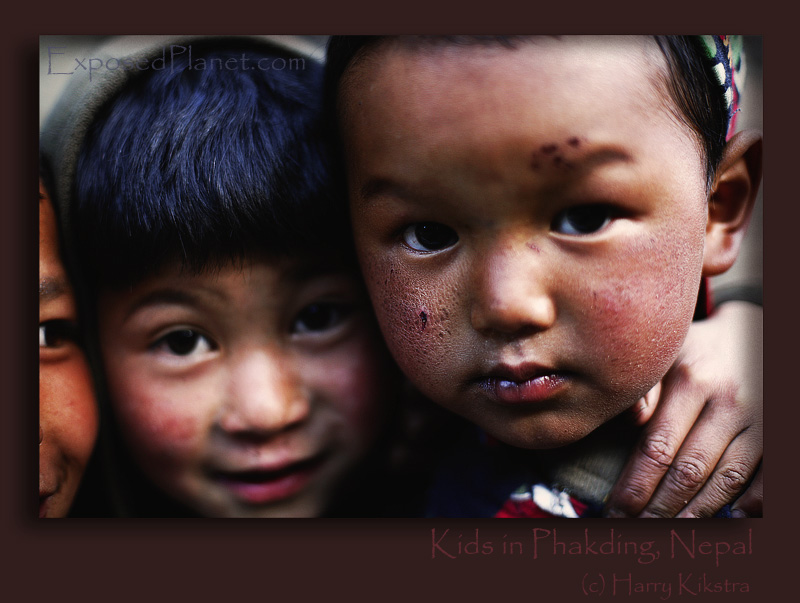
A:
(178, 431)
(155, 428)
(611, 308)
(637, 326)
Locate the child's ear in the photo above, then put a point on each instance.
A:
(731, 202)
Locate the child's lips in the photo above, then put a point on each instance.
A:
(523, 384)
(262, 485)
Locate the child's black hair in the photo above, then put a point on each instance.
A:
(204, 166)
(700, 100)
(697, 95)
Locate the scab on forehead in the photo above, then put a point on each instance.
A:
(552, 154)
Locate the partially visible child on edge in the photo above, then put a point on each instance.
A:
(534, 218)
(68, 416)
(244, 369)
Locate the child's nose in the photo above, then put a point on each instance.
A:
(511, 294)
(265, 395)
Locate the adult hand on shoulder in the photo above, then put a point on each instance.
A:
(702, 443)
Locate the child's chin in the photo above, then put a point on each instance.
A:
(542, 436)
(214, 503)
(284, 509)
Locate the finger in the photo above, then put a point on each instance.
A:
(750, 504)
(680, 404)
(730, 478)
(713, 464)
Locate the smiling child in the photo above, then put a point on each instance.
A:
(244, 370)
(68, 416)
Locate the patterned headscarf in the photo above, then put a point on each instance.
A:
(726, 54)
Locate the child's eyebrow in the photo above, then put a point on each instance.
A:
(598, 156)
(51, 287)
(585, 160)
(170, 295)
(378, 187)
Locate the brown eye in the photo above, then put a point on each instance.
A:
(57, 333)
(320, 317)
(183, 342)
(429, 236)
(583, 219)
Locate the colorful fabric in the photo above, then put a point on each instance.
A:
(541, 501)
(726, 54)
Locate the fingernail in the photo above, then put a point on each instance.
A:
(738, 514)
(614, 514)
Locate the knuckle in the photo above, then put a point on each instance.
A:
(658, 449)
(733, 478)
(688, 473)
(726, 401)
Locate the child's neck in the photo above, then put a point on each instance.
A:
(589, 468)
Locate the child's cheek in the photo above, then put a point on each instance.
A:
(404, 317)
(67, 406)
(160, 432)
(414, 316)
(355, 382)
(637, 325)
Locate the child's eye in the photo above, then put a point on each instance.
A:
(319, 317)
(429, 236)
(583, 219)
(56, 333)
(183, 342)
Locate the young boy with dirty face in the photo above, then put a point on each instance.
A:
(244, 371)
(534, 218)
